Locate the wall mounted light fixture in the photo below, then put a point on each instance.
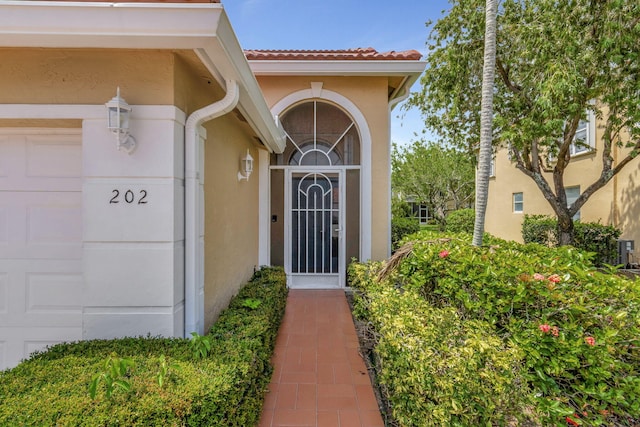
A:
(118, 115)
(246, 167)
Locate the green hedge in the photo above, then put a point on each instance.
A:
(589, 236)
(226, 387)
(572, 334)
(436, 368)
(461, 221)
(401, 227)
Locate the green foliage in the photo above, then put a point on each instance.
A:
(461, 221)
(402, 221)
(439, 369)
(540, 229)
(114, 375)
(200, 345)
(400, 208)
(434, 175)
(553, 59)
(573, 332)
(599, 239)
(165, 370)
(169, 385)
(401, 227)
(251, 303)
(591, 237)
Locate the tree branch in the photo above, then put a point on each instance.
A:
(514, 88)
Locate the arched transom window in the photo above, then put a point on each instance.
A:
(318, 134)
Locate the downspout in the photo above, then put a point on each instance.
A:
(394, 100)
(193, 210)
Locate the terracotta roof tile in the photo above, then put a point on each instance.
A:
(359, 54)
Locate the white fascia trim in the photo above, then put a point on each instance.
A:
(234, 65)
(202, 27)
(107, 25)
(336, 68)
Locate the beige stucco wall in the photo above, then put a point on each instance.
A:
(618, 203)
(231, 206)
(626, 185)
(231, 215)
(155, 77)
(84, 76)
(628, 203)
(369, 94)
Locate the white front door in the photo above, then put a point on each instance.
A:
(314, 244)
(40, 240)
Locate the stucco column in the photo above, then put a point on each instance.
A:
(133, 227)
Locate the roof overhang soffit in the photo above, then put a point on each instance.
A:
(202, 27)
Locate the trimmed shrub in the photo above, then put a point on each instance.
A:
(599, 239)
(589, 236)
(438, 369)
(169, 384)
(461, 221)
(401, 227)
(576, 328)
(540, 229)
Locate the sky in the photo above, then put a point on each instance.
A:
(340, 24)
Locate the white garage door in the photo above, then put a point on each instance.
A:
(40, 240)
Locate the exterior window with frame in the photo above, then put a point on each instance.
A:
(572, 194)
(518, 202)
(584, 140)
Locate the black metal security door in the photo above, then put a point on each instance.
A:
(315, 223)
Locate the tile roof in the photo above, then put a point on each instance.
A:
(359, 54)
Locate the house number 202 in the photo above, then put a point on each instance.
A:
(129, 197)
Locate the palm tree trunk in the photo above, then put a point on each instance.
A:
(486, 119)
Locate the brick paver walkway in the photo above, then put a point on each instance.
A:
(319, 377)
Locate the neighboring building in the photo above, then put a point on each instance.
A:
(420, 211)
(512, 194)
(100, 241)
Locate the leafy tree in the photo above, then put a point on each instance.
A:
(486, 120)
(436, 176)
(555, 62)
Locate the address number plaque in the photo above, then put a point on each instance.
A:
(137, 197)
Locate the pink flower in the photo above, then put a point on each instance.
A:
(538, 276)
(545, 328)
(554, 278)
(590, 340)
(443, 254)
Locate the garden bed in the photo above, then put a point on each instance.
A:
(216, 379)
(506, 334)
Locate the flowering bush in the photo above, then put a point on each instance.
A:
(439, 369)
(577, 328)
